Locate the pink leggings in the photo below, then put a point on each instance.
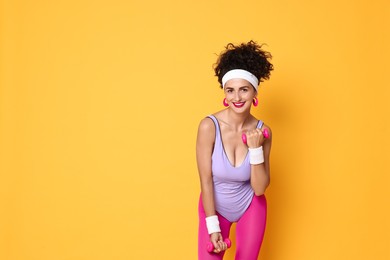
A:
(249, 231)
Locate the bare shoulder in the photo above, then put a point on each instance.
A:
(266, 126)
(206, 125)
(206, 132)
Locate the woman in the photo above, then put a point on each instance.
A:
(234, 175)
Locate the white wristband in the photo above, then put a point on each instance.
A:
(212, 224)
(256, 155)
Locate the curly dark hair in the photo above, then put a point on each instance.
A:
(247, 56)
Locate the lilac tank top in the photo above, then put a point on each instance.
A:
(233, 192)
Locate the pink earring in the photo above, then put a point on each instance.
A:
(225, 103)
(255, 101)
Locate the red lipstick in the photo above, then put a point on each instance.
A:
(238, 104)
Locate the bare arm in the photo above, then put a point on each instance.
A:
(204, 149)
(260, 173)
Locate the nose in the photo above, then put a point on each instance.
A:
(237, 96)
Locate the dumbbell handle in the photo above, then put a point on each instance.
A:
(210, 246)
(265, 133)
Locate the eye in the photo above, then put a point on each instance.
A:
(229, 91)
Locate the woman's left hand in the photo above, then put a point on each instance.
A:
(255, 138)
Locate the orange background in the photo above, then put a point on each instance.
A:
(100, 103)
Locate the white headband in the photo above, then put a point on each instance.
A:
(240, 74)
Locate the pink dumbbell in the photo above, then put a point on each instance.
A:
(265, 133)
(210, 246)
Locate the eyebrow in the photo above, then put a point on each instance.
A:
(230, 88)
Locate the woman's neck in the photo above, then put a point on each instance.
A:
(237, 121)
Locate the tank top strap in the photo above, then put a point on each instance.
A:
(217, 131)
(260, 124)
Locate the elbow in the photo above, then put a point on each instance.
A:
(258, 193)
(206, 184)
(261, 190)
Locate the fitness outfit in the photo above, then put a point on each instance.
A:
(235, 201)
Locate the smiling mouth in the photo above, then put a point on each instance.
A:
(238, 104)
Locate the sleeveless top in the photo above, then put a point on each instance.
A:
(233, 192)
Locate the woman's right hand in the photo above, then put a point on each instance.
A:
(219, 244)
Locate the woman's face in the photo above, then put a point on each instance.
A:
(239, 94)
